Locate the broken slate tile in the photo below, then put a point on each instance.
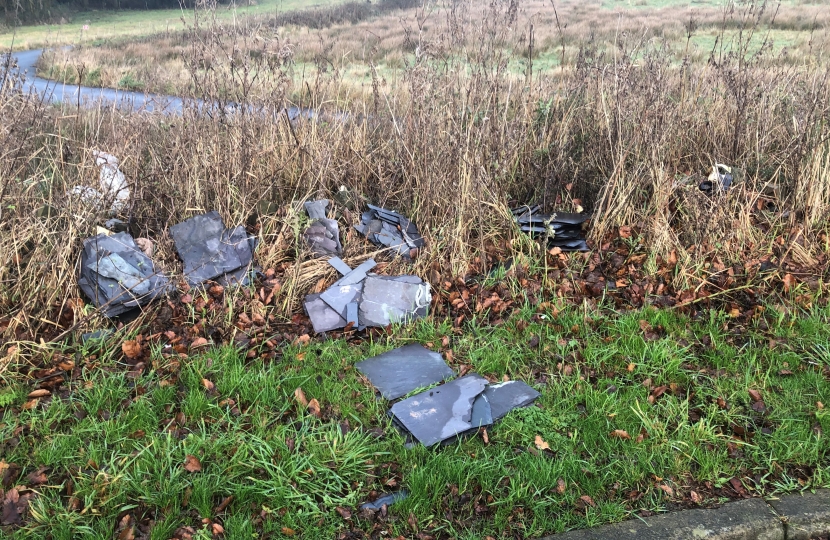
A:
(387, 300)
(441, 413)
(340, 296)
(506, 396)
(117, 276)
(387, 228)
(357, 275)
(323, 234)
(402, 370)
(385, 500)
(338, 264)
(209, 250)
(482, 413)
(351, 314)
(316, 209)
(560, 229)
(323, 318)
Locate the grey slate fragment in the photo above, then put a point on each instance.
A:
(506, 396)
(117, 276)
(388, 300)
(385, 500)
(357, 275)
(561, 229)
(316, 209)
(209, 250)
(482, 412)
(441, 413)
(390, 229)
(339, 296)
(402, 370)
(323, 234)
(351, 314)
(115, 225)
(323, 318)
(98, 335)
(338, 264)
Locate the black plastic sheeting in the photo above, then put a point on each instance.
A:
(386, 228)
(562, 229)
(117, 276)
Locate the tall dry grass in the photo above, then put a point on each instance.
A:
(628, 131)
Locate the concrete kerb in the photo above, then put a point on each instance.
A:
(792, 517)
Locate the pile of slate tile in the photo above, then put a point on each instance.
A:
(360, 299)
(323, 234)
(390, 229)
(447, 411)
(562, 229)
(118, 277)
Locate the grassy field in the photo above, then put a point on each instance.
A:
(385, 44)
(682, 362)
(109, 25)
(108, 452)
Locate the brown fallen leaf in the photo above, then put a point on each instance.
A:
(721, 403)
(217, 529)
(300, 398)
(145, 245)
(789, 282)
(192, 464)
(625, 231)
(39, 393)
(755, 395)
(288, 531)
(209, 386)
(588, 501)
(560, 486)
(631, 367)
(344, 512)
(198, 342)
(541, 444)
(785, 372)
(695, 497)
(31, 404)
(819, 405)
(314, 408)
(216, 290)
(131, 349)
(10, 514)
(669, 491)
(620, 434)
(37, 477)
(484, 436)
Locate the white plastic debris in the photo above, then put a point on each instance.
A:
(113, 181)
(114, 189)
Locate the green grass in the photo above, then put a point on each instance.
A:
(121, 442)
(107, 25)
